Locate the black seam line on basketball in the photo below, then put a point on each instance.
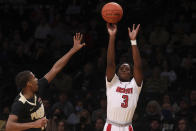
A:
(111, 10)
(112, 17)
(112, 14)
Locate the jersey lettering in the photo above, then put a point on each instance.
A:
(123, 90)
(38, 114)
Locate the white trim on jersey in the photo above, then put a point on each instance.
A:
(23, 99)
(116, 79)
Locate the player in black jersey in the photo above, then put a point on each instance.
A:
(27, 111)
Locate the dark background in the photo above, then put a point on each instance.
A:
(34, 34)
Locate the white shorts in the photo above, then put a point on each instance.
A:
(111, 127)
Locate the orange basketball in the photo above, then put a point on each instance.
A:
(112, 12)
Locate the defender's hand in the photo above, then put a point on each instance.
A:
(134, 32)
(112, 29)
(77, 42)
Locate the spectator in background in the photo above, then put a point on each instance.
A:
(43, 30)
(184, 109)
(99, 124)
(64, 104)
(168, 117)
(153, 111)
(73, 8)
(74, 118)
(181, 38)
(99, 84)
(47, 107)
(166, 99)
(25, 31)
(187, 72)
(159, 36)
(3, 117)
(183, 125)
(168, 73)
(16, 39)
(57, 115)
(155, 125)
(89, 101)
(85, 78)
(85, 122)
(173, 58)
(154, 84)
(147, 68)
(5, 113)
(182, 23)
(62, 126)
(101, 112)
(62, 82)
(193, 101)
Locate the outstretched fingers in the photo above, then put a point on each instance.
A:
(129, 29)
(78, 36)
(133, 27)
(81, 36)
(137, 28)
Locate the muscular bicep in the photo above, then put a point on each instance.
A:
(11, 119)
(138, 75)
(14, 125)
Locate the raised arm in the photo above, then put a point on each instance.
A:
(111, 66)
(137, 68)
(13, 125)
(58, 66)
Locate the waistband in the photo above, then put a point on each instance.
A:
(118, 124)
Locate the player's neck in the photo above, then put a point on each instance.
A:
(27, 94)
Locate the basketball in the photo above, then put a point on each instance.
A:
(112, 12)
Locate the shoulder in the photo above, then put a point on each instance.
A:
(114, 80)
(133, 82)
(19, 100)
(17, 108)
(42, 81)
(17, 104)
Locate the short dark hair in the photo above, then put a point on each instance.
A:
(22, 78)
(118, 66)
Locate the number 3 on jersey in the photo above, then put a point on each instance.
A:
(125, 104)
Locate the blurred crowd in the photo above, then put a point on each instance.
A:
(33, 36)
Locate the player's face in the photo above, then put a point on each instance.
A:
(34, 83)
(124, 72)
